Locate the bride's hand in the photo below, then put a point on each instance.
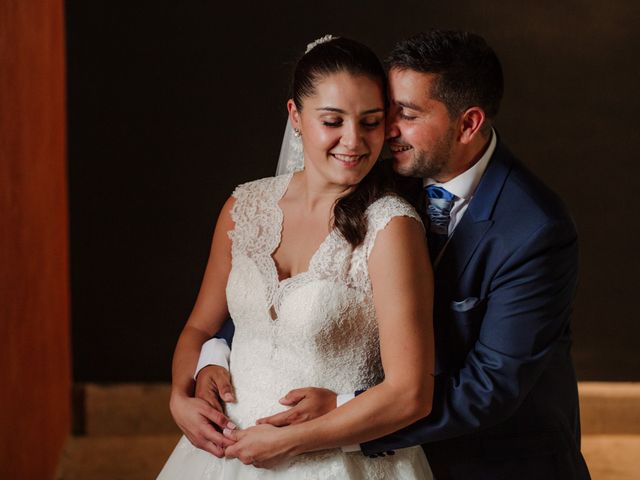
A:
(306, 404)
(195, 417)
(263, 446)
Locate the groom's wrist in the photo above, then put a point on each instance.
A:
(213, 352)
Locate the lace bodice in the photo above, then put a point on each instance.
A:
(317, 328)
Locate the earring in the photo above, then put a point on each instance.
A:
(297, 133)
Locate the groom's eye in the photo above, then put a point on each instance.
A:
(404, 116)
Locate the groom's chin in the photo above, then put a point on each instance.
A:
(402, 167)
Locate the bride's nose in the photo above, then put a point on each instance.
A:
(351, 137)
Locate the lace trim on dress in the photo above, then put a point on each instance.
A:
(379, 214)
(258, 232)
(258, 225)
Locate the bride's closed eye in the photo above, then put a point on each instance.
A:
(332, 122)
(368, 123)
(371, 122)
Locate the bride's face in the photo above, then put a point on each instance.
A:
(342, 127)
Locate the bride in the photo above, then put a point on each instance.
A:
(327, 278)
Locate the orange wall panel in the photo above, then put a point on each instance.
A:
(34, 280)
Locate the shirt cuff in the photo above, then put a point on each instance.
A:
(213, 352)
(341, 399)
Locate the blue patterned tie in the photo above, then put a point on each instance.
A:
(439, 206)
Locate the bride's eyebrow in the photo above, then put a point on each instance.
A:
(339, 110)
(372, 110)
(330, 109)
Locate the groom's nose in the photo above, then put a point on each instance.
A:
(392, 130)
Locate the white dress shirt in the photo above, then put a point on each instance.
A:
(464, 185)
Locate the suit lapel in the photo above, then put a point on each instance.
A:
(477, 220)
(460, 248)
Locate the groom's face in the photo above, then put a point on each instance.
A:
(420, 132)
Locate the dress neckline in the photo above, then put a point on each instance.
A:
(279, 221)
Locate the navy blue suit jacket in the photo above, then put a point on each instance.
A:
(506, 400)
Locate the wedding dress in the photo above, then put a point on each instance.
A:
(317, 328)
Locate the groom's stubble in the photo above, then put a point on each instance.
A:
(429, 163)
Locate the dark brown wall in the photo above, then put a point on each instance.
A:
(173, 105)
(34, 291)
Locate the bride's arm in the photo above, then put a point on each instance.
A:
(210, 311)
(402, 282)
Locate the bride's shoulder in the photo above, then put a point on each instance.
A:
(386, 208)
(391, 205)
(382, 211)
(261, 186)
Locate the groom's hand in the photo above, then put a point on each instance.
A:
(213, 384)
(306, 404)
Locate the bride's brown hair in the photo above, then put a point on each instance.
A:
(330, 57)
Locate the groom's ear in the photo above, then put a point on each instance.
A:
(294, 115)
(471, 124)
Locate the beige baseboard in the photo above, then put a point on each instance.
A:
(131, 423)
(123, 409)
(609, 408)
(143, 409)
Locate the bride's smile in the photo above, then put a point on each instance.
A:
(349, 160)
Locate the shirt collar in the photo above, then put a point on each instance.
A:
(464, 185)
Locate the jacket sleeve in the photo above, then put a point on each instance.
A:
(227, 331)
(527, 317)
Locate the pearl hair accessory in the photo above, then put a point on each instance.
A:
(317, 42)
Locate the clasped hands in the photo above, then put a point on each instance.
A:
(265, 445)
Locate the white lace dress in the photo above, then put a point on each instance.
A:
(317, 328)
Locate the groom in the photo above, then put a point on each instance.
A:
(505, 256)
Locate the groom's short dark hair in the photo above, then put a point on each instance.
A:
(469, 72)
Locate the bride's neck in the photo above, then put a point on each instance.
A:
(315, 192)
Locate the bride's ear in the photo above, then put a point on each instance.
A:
(294, 116)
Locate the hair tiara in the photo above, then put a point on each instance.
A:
(319, 41)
